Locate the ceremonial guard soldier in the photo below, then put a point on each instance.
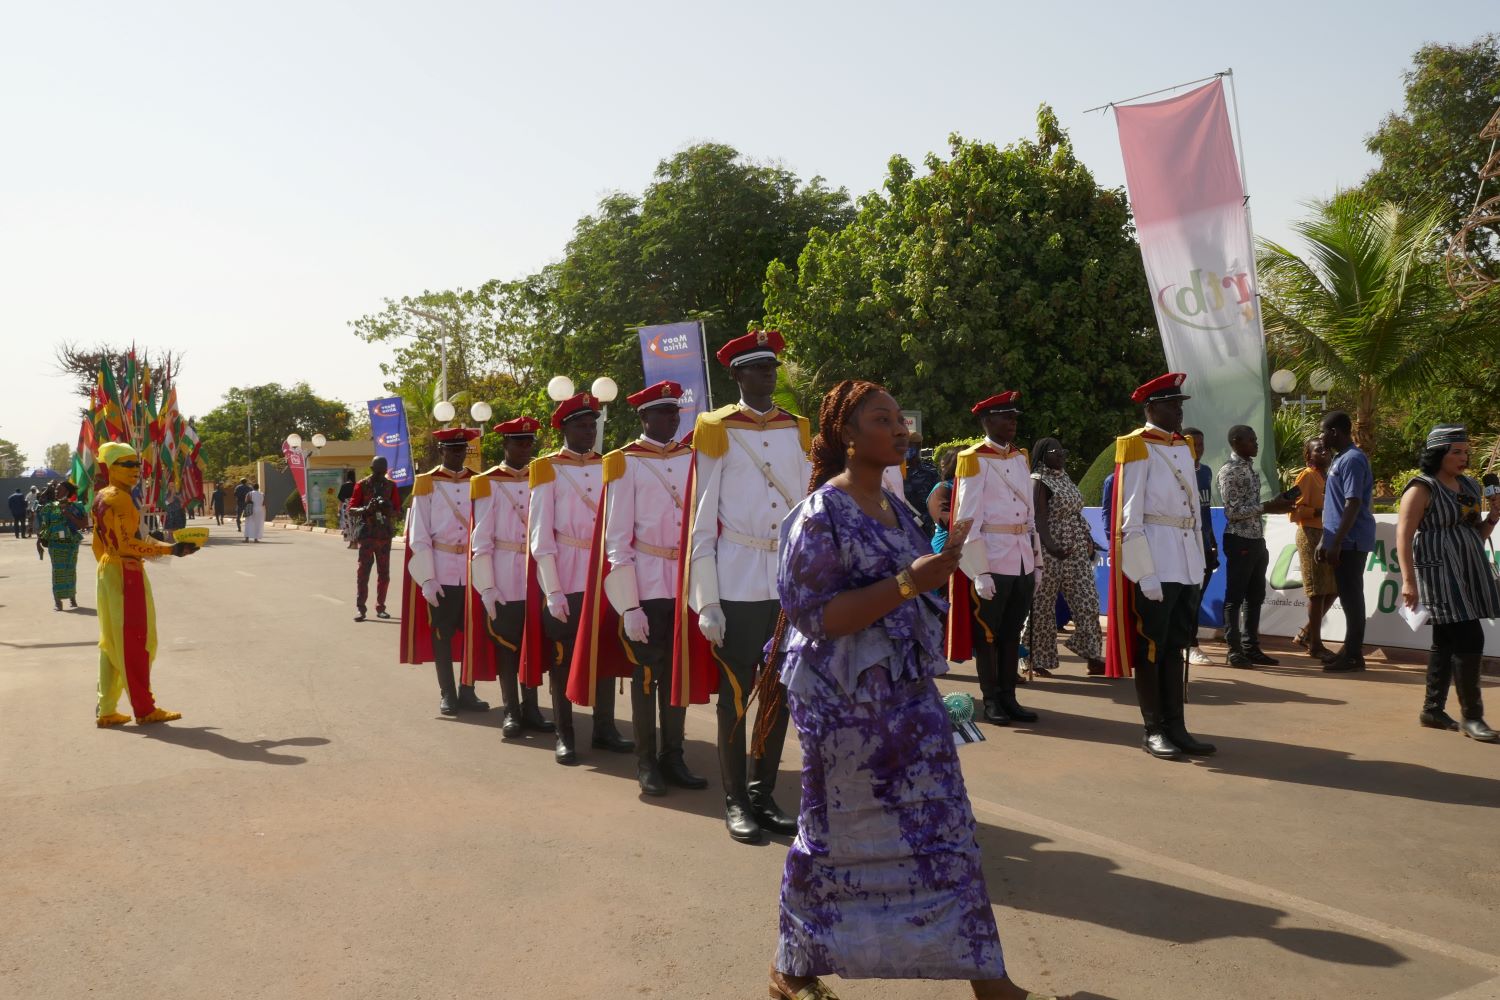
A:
(498, 569)
(750, 467)
(637, 568)
(1156, 566)
(435, 600)
(566, 487)
(991, 592)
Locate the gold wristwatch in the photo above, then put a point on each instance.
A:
(903, 581)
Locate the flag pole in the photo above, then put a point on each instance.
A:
(1179, 86)
(708, 383)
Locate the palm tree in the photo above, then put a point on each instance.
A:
(1368, 304)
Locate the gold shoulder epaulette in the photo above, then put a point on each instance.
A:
(423, 485)
(1131, 448)
(710, 437)
(1026, 455)
(479, 486)
(968, 462)
(614, 465)
(541, 472)
(804, 431)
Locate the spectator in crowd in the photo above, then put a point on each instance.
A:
(1245, 551)
(1348, 533)
(241, 492)
(1205, 478)
(18, 513)
(346, 493)
(921, 477)
(1067, 565)
(63, 524)
(255, 515)
(1317, 578)
(940, 501)
(1440, 546)
(38, 500)
(174, 515)
(218, 502)
(34, 502)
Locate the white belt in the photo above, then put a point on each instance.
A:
(577, 543)
(1006, 529)
(1169, 521)
(659, 551)
(750, 541)
(517, 547)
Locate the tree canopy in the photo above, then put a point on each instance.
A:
(998, 268)
(12, 461)
(60, 458)
(274, 412)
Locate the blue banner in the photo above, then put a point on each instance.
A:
(1210, 612)
(675, 352)
(388, 431)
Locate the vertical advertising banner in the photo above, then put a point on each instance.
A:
(675, 352)
(296, 464)
(388, 431)
(1189, 205)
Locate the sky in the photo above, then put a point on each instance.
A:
(239, 183)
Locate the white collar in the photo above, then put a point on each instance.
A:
(996, 444)
(754, 410)
(648, 439)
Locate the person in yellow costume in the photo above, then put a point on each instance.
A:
(127, 617)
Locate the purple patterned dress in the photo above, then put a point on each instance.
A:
(884, 878)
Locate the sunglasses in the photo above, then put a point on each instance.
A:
(127, 465)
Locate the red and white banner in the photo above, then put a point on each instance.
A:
(296, 464)
(1189, 205)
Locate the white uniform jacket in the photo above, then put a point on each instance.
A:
(995, 490)
(565, 489)
(437, 528)
(1159, 503)
(643, 511)
(501, 498)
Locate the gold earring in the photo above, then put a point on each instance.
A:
(849, 451)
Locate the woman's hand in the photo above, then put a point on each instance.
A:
(932, 571)
(1409, 595)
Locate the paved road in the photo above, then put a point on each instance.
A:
(312, 827)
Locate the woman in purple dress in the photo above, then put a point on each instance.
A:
(884, 878)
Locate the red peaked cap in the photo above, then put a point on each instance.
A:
(575, 406)
(664, 393)
(519, 427)
(1005, 402)
(753, 346)
(455, 435)
(1168, 386)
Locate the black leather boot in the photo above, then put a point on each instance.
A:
(531, 716)
(448, 705)
(989, 686)
(737, 816)
(606, 736)
(1440, 663)
(1174, 695)
(1466, 667)
(1148, 691)
(510, 703)
(763, 774)
(1256, 655)
(643, 719)
(1234, 638)
(1008, 704)
(469, 701)
(672, 762)
(562, 710)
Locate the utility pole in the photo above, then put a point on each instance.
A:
(249, 448)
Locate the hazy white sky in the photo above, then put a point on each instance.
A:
(238, 183)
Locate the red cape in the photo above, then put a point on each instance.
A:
(480, 663)
(599, 650)
(960, 634)
(416, 625)
(1119, 634)
(694, 677)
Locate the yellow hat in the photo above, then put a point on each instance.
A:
(112, 451)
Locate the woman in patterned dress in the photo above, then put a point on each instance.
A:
(62, 523)
(1440, 546)
(884, 878)
(1067, 568)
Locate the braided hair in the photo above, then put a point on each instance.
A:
(829, 458)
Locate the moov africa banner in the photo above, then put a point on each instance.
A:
(296, 464)
(675, 352)
(388, 431)
(1189, 205)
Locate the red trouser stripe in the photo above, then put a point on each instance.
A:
(137, 659)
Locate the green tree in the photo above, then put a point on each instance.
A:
(60, 458)
(274, 411)
(12, 461)
(1431, 148)
(998, 269)
(1369, 305)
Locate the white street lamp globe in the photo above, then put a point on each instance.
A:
(443, 411)
(1321, 380)
(481, 412)
(319, 440)
(604, 389)
(294, 440)
(1283, 381)
(560, 388)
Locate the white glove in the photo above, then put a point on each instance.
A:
(636, 628)
(711, 624)
(984, 586)
(432, 590)
(1151, 588)
(491, 601)
(557, 606)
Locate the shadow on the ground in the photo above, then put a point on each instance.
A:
(1075, 885)
(47, 645)
(208, 738)
(84, 612)
(1205, 687)
(1289, 762)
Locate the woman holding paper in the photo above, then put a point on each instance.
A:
(1440, 545)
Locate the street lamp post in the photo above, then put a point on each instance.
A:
(604, 390)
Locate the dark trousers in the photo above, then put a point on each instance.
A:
(1349, 577)
(1245, 563)
(505, 633)
(18, 523)
(1163, 631)
(377, 553)
(748, 626)
(997, 633)
(445, 619)
(651, 685)
(1457, 654)
(563, 636)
